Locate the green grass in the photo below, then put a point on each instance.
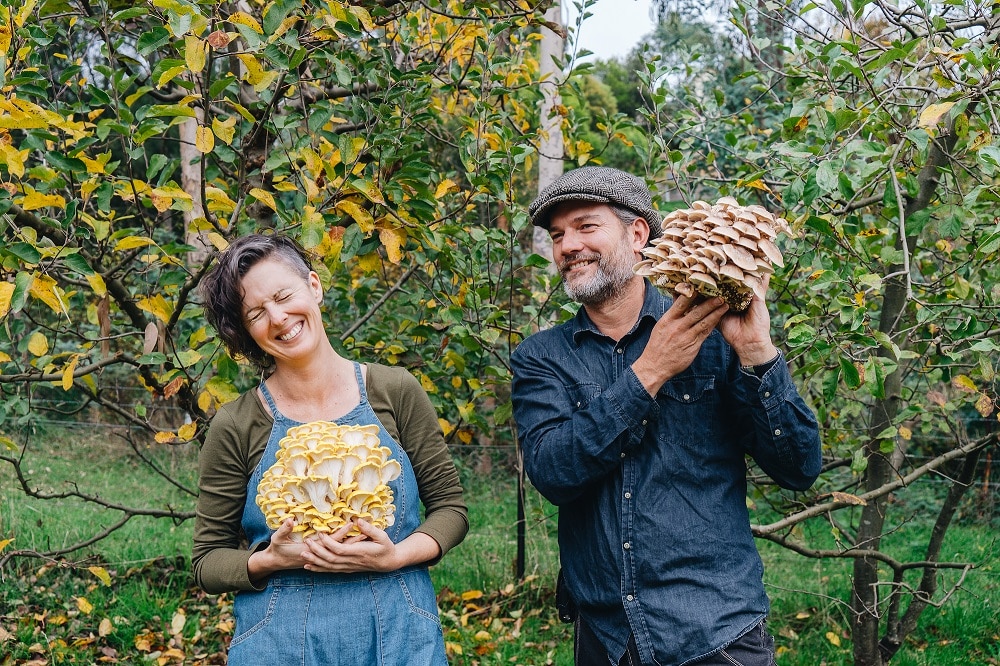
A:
(60, 612)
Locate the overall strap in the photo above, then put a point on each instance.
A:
(269, 399)
(361, 382)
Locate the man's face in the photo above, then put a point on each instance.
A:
(594, 250)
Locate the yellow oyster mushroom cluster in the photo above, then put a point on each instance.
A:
(722, 250)
(326, 475)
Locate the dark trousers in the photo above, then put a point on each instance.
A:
(754, 648)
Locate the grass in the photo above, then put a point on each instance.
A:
(62, 612)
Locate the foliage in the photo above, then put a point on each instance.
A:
(135, 141)
(881, 153)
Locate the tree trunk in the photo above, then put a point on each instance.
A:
(550, 153)
(864, 599)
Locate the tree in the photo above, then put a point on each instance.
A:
(386, 136)
(881, 155)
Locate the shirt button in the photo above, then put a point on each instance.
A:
(578, 404)
(644, 422)
(628, 495)
(777, 431)
(767, 394)
(630, 598)
(687, 397)
(626, 545)
(620, 351)
(623, 454)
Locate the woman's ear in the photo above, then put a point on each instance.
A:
(316, 286)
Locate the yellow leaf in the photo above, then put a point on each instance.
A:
(204, 401)
(245, 19)
(4, 357)
(465, 436)
(392, 240)
(427, 383)
(482, 636)
(13, 158)
(67, 378)
(254, 74)
(47, 291)
(132, 242)
(444, 187)
(364, 219)
(5, 543)
(35, 200)
(6, 293)
(446, 426)
(186, 432)
(164, 437)
(453, 648)
(224, 129)
(905, 433)
(367, 188)
(170, 74)
(456, 381)
(26, 10)
(833, 638)
(930, 116)
(97, 284)
(264, 197)
(177, 623)
(204, 140)
(964, 383)
(469, 595)
(369, 263)
(757, 185)
(221, 389)
(984, 405)
(217, 241)
(157, 306)
(37, 344)
(101, 573)
(85, 606)
(8, 444)
(104, 628)
(194, 53)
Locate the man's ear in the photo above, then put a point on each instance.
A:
(640, 233)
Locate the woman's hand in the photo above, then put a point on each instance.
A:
(281, 553)
(372, 550)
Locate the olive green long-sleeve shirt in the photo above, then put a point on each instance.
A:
(236, 441)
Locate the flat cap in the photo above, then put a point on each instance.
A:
(601, 185)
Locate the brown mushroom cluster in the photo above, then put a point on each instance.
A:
(326, 475)
(723, 250)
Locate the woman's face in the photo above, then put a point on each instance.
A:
(281, 310)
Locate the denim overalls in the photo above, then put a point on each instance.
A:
(321, 619)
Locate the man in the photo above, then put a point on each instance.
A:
(635, 418)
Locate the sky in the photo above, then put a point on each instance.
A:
(615, 26)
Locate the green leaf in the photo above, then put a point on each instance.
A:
(850, 372)
(25, 252)
(152, 40)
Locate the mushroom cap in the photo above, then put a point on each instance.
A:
(723, 249)
(325, 474)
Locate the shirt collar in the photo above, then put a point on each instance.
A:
(654, 304)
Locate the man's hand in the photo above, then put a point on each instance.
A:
(749, 332)
(676, 340)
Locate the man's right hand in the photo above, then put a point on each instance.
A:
(676, 340)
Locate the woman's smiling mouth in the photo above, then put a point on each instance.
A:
(292, 333)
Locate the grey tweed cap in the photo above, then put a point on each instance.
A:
(599, 184)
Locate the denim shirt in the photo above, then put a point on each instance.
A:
(654, 533)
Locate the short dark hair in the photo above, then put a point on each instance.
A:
(222, 292)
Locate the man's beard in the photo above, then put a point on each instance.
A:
(612, 276)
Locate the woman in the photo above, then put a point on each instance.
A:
(330, 599)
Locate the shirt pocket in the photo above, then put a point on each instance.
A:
(582, 394)
(688, 389)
